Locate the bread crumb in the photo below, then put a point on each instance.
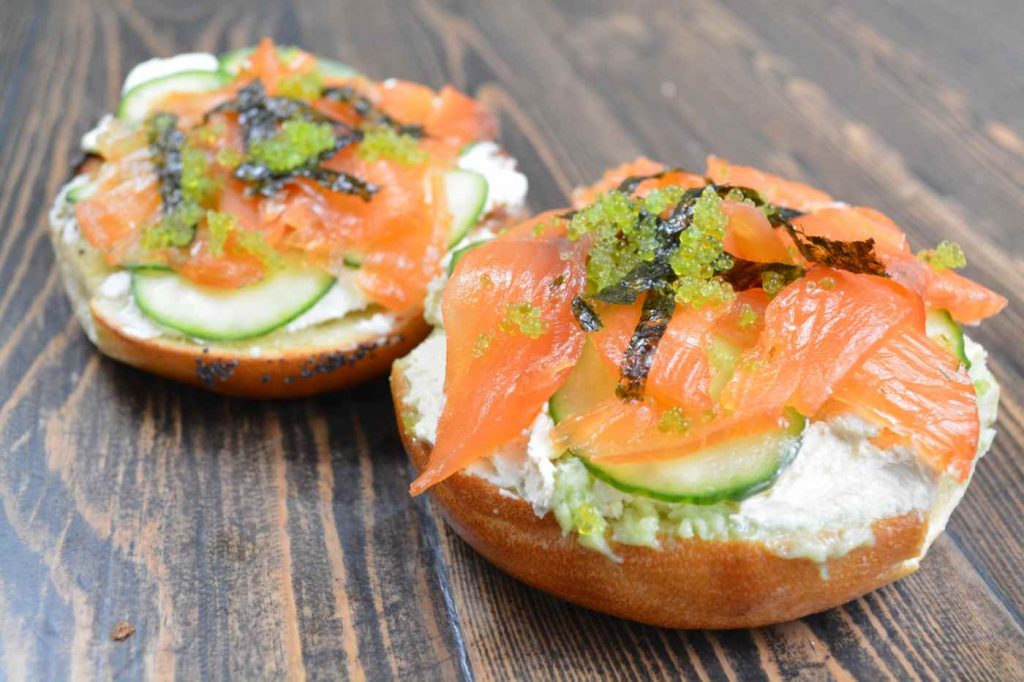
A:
(122, 631)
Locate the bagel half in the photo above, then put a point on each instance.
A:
(330, 356)
(688, 583)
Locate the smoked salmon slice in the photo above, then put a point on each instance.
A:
(916, 392)
(682, 371)
(815, 331)
(641, 167)
(511, 342)
(779, 191)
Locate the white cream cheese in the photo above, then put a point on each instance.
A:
(506, 186)
(821, 507)
(533, 479)
(424, 370)
(342, 298)
(117, 289)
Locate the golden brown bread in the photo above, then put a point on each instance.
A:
(285, 373)
(689, 583)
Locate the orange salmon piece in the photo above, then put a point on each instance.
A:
(498, 376)
(615, 431)
(750, 236)
(915, 390)
(814, 334)
(774, 189)
(583, 196)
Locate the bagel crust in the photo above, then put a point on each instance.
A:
(292, 373)
(688, 583)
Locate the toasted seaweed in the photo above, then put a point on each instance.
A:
(586, 316)
(655, 315)
(633, 182)
(260, 117)
(369, 113)
(643, 278)
(166, 142)
(746, 274)
(81, 161)
(855, 256)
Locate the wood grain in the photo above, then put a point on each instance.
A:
(276, 540)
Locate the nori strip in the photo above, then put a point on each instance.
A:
(630, 184)
(639, 356)
(368, 112)
(642, 278)
(166, 142)
(586, 316)
(80, 162)
(746, 274)
(260, 116)
(853, 256)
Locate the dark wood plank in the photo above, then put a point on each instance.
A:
(253, 540)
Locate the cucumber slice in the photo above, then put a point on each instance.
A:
(138, 102)
(228, 314)
(231, 63)
(590, 381)
(467, 193)
(944, 330)
(457, 254)
(733, 470)
(139, 265)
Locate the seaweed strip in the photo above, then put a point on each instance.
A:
(630, 184)
(636, 363)
(746, 274)
(365, 108)
(642, 278)
(260, 116)
(853, 256)
(586, 317)
(167, 141)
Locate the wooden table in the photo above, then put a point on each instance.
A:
(266, 540)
